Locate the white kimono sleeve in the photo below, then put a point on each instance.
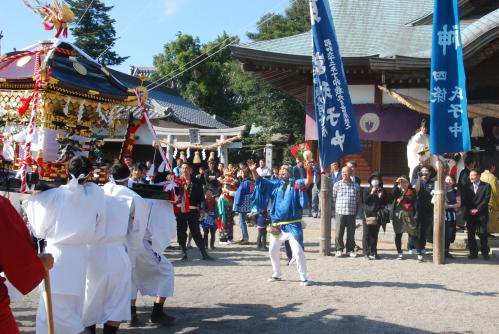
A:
(139, 214)
(41, 210)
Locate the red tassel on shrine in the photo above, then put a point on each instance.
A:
(24, 104)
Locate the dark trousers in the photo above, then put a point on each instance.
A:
(370, 238)
(425, 224)
(289, 251)
(261, 240)
(416, 241)
(207, 231)
(474, 225)
(190, 219)
(450, 233)
(345, 222)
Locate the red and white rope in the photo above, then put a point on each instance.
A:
(28, 159)
(145, 114)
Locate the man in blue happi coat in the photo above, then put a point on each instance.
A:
(287, 198)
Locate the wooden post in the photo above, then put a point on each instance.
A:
(438, 216)
(325, 203)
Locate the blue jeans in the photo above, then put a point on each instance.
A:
(244, 227)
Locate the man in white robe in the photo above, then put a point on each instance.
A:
(153, 274)
(109, 274)
(70, 218)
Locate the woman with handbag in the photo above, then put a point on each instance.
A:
(374, 203)
(403, 212)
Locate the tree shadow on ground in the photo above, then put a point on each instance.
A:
(412, 286)
(262, 318)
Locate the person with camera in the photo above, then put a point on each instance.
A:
(403, 212)
(452, 204)
(424, 187)
(375, 201)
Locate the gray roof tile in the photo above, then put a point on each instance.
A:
(377, 28)
(161, 102)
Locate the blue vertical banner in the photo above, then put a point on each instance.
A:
(449, 128)
(336, 125)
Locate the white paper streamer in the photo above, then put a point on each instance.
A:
(175, 152)
(188, 153)
(66, 106)
(100, 113)
(219, 151)
(204, 154)
(81, 109)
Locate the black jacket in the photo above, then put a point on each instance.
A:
(196, 195)
(479, 201)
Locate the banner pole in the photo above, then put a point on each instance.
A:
(439, 214)
(325, 205)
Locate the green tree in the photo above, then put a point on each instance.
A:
(94, 32)
(296, 20)
(206, 83)
(266, 107)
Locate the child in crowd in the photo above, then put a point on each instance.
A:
(262, 221)
(135, 176)
(209, 223)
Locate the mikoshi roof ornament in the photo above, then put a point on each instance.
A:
(56, 15)
(52, 89)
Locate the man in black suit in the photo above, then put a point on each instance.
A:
(475, 203)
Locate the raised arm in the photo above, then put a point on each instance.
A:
(310, 174)
(252, 167)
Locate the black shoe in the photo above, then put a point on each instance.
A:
(185, 258)
(486, 256)
(266, 248)
(158, 316)
(162, 319)
(472, 256)
(448, 255)
(212, 247)
(135, 321)
(206, 257)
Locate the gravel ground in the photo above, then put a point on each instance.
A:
(347, 295)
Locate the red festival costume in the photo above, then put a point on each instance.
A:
(18, 260)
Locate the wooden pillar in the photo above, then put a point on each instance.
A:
(438, 216)
(224, 153)
(268, 155)
(376, 156)
(169, 153)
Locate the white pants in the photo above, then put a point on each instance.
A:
(153, 274)
(298, 254)
(67, 311)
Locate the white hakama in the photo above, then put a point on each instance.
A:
(70, 218)
(153, 274)
(109, 271)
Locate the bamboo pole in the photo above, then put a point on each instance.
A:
(47, 299)
(325, 204)
(438, 215)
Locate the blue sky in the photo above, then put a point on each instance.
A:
(144, 26)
